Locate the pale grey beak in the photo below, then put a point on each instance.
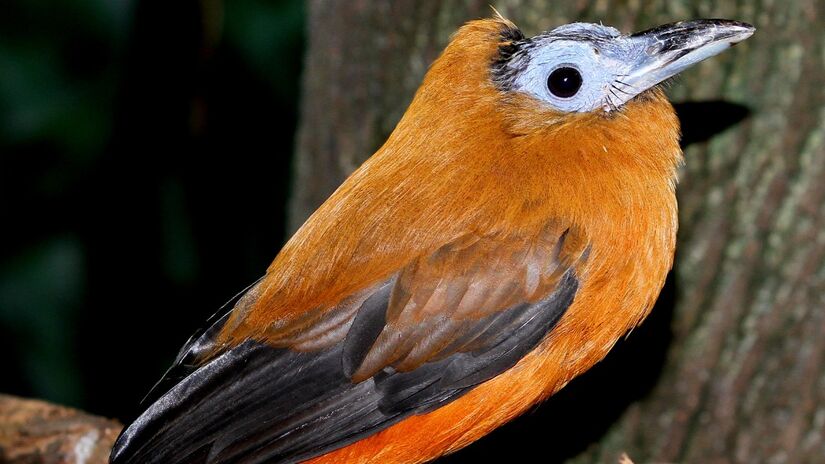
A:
(664, 51)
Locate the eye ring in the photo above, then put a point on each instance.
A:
(564, 81)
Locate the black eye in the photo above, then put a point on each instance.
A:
(564, 82)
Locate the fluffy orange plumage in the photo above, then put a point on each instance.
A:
(499, 164)
(484, 202)
(609, 179)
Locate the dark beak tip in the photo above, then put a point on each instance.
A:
(723, 23)
(721, 29)
(741, 31)
(714, 28)
(745, 28)
(732, 23)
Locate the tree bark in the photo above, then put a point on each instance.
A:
(731, 365)
(36, 432)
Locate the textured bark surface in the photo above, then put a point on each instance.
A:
(36, 432)
(731, 366)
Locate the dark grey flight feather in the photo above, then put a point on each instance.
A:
(258, 404)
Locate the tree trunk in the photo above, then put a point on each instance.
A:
(731, 365)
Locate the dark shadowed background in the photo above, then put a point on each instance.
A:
(146, 150)
(147, 175)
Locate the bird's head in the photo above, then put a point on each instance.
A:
(573, 70)
(566, 74)
(584, 68)
(554, 114)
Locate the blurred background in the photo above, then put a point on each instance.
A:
(145, 151)
(154, 156)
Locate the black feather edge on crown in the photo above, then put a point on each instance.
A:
(511, 58)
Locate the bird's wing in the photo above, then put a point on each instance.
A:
(418, 340)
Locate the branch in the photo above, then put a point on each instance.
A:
(34, 431)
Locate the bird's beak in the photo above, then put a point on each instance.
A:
(664, 51)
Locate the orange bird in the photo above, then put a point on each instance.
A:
(518, 221)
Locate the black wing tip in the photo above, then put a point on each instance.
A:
(201, 420)
(128, 447)
(122, 452)
(116, 456)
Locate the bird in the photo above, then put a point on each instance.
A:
(518, 221)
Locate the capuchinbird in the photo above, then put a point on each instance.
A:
(518, 221)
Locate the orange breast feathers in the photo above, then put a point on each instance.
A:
(500, 242)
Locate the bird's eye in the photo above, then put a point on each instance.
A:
(564, 82)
